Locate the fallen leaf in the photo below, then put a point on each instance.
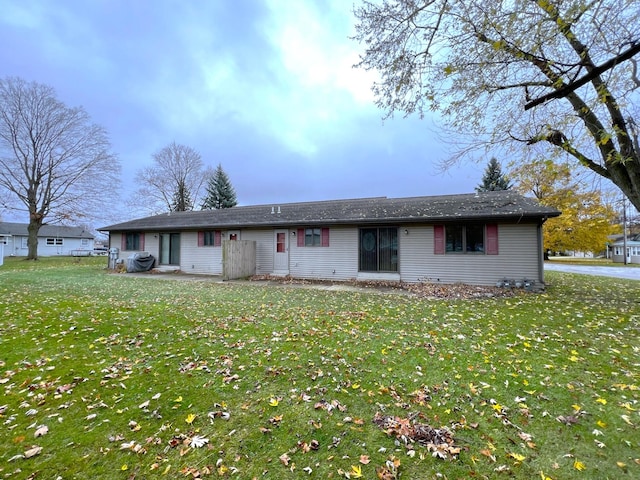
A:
(32, 452)
(578, 465)
(40, 431)
(517, 457)
(356, 471)
(197, 441)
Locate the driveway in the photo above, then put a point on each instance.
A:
(631, 273)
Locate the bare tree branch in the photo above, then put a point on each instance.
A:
(570, 87)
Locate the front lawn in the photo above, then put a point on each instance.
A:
(118, 377)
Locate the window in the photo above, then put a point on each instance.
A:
(54, 241)
(132, 241)
(210, 238)
(461, 238)
(313, 237)
(84, 242)
(378, 249)
(466, 239)
(281, 242)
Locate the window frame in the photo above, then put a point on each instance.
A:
(54, 242)
(322, 238)
(210, 238)
(456, 238)
(134, 240)
(313, 237)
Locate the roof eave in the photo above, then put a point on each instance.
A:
(510, 217)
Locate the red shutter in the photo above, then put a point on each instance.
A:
(141, 242)
(201, 239)
(438, 239)
(324, 237)
(123, 241)
(217, 238)
(300, 237)
(492, 239)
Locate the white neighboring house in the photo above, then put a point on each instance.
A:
(632, 252)
(53, 240)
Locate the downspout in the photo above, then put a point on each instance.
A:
(540, 252)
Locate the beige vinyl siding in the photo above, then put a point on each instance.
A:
(194, 259)
(517, 259)
(151, 245)
(338, 261)
(264, 248)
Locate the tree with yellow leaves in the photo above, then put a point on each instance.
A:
(586, 221)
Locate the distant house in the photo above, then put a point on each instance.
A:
(52, 240)
(632, 252)
(478, 238)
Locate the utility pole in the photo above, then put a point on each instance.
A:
(624, 229)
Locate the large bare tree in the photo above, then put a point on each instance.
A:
(537, 77)
(53, 160)
(173, 182)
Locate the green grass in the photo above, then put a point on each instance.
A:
(534, 386)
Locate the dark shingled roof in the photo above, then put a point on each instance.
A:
(60, 231)
(504, 205)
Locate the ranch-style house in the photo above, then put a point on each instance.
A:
(480, 239)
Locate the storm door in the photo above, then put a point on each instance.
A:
(281, 252)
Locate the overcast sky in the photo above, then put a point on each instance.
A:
(264, 87)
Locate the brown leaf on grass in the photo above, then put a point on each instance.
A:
(388, 471)
(284, 459)
(40, 431)
(567, 419)
(439, 441)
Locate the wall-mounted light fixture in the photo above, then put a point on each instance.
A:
(406, 231)
(293, 233)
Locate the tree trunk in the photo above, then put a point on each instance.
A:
(32, 240)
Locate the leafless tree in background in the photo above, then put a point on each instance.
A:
(53, 160)
(172, 183)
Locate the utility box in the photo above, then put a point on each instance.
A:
(114, 252)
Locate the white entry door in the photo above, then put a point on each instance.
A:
(281, 252)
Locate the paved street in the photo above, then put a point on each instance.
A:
(632, 273)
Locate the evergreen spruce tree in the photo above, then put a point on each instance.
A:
(493, 178)
(220, 192)
(182, 201)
